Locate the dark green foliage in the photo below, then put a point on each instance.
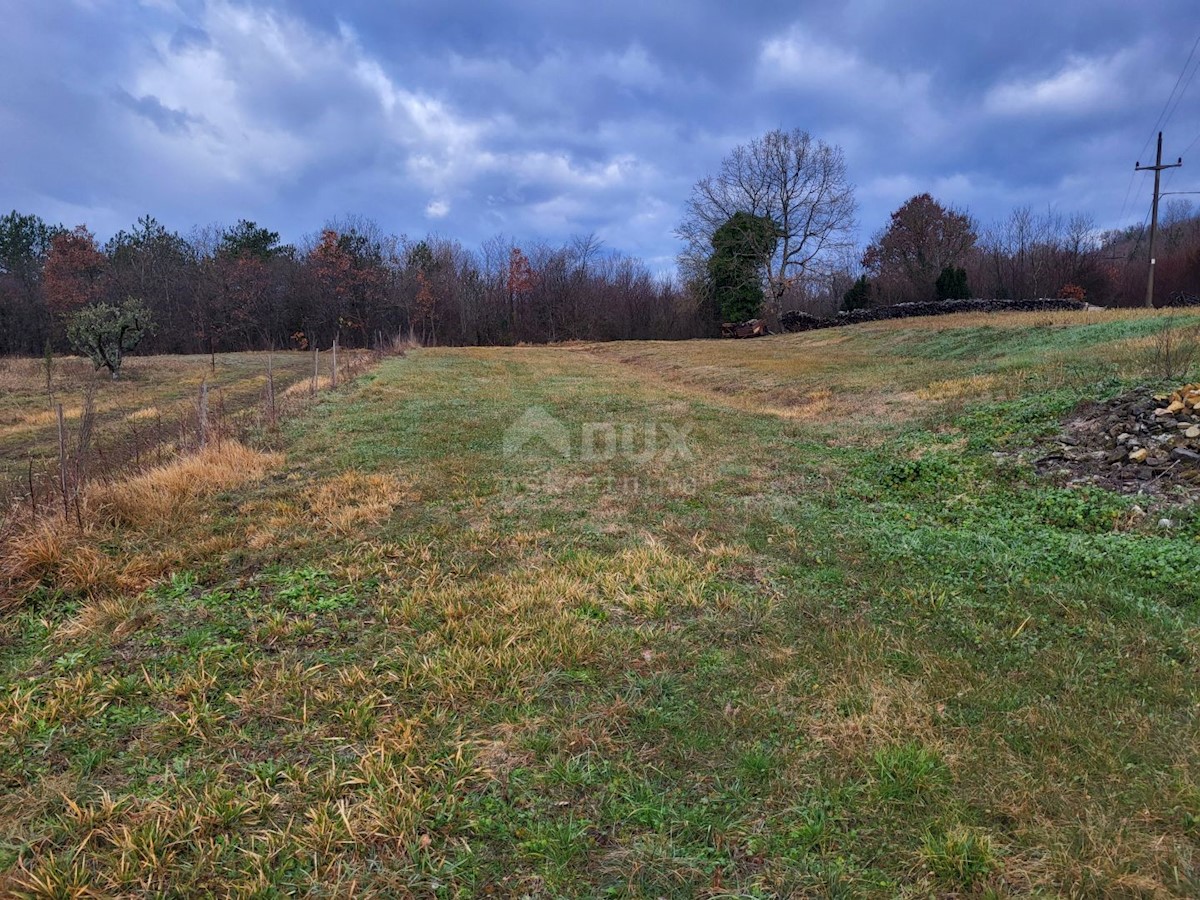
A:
(741, 248)
(952, 284)
(147, 245)
(859, 295)
(421, 259)
(104, 333)
(24, 242)
(248, 239)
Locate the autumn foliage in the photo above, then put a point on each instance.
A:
(521, 277)
(922, 240)
(74, 272)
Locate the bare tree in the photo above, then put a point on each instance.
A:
(798, 182)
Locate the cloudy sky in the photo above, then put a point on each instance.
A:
(550, 118)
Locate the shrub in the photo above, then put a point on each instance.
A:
(1173, 352)
(859, 295)
(1071, 292)
(952, 284)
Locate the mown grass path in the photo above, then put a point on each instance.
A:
(792, 651)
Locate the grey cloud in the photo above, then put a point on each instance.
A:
(542, 119)
(188, 37)
(149, 107)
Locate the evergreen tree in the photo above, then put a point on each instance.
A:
(859, 295)
(952, 284)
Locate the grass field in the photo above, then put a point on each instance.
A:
(782, 617)
(155, 398)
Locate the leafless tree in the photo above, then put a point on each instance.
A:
(798, 182)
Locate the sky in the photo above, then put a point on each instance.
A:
(547, 119)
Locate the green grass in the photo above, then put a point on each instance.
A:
(847, 653)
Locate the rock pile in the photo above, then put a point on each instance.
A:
(1183, 299)
(799, 321)
(752, 328)
(1138, 442)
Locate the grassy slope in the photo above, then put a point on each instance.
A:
(844, 649)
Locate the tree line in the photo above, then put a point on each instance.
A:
(240, 287)
(772, 230)
(931, 251)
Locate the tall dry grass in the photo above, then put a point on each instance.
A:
(162, 494)
(93, 555)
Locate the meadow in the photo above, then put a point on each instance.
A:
(783, 617)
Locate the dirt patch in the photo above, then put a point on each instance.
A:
(1139, 443)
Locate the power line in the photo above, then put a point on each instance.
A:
(1159, 121)
(1195, 141)
(1183, 90)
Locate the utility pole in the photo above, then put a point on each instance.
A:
(1157, 170)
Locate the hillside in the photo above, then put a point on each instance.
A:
(791, 616)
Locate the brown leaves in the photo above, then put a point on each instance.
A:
(521, 277)
(74, 272)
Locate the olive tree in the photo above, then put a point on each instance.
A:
(790, 178)
(104, 333)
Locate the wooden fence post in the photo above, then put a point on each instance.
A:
(202, 410)
(62, 461)
(271, 386)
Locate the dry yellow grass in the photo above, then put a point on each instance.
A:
(969, 386)
(342, 505)
(160, 495)
(862, 714)
(54, 552)
(152, 406)
(304, 387)
(352, 499)
(57, 551)
(114, 616)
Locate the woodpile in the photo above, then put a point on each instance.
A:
(753, 328)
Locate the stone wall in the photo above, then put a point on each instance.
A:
(798, 321)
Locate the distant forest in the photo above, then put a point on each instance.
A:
(240, 287)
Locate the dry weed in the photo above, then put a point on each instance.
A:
(59, 553)
(114, 616)
(860, 715)
(353, 499)
(162, 494)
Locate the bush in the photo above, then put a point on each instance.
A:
(796, 321)
(1071, 292)
(859, 295)
(952, 284)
